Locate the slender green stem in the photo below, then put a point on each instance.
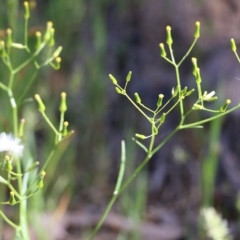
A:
(209, 119)
(115, 193)
(187, 53)
(30, 59)
(49, 123)
(139, 109)
(9, 221)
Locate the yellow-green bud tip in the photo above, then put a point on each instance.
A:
(12, 193)
(9, 31)
(26, 4)
(233, 45)
(37, 97)
(7, 158)
(66, 124)
(38, 34)
(43, 173)
(49, 24)
(228, 101)
(161, 96)
(168, 28)
(63, 95)
(194, 60)
(58, 59)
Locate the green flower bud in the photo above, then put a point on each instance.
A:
(197, 30)
(12, 199)
(175, 91)
(140, 136)
(63, 104)
(51, 42)
(160, 98)
(21, 128)
(189, 92)
(57, 52)
(3, 52)
(183, 92)
(162, 50)
(162, 118)
(47, 34)
(41, 106)
(224, 107)
(118, 90)
(137, 98)
(169, 40)
(195, 67)
(198, 78)
(26, 10)
(57, 64)
(129, 76)
(18, 45)
(233, 45)
(113, 79)
(197, 107)
(9, 38)
(8, 165)
(39, 39)
(65, 131)
(40, 183)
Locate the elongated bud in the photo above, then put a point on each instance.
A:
(160, 98)
(2, 48)
(12, 199)
(113, 79)
(63, 104)
(21, 128)
(140, 136)
(51, 42)
(56, 65)
(41, 106)
(169, 40)
(233, 45)
(47, 34)
(198, 78)
(195, 67)
(224, 107)
(65, 131)
(57, 52)
(197, 107)
(137, 98)
(38, 40)
(33, 166)
(26, 10)
(189, 92)
(40, 183)
(175, 91)
(8, 165)
(118, 90)
(128, 78)
(162, 50)
(162, 118)
(197, 30)
(18, 45)
(183, 92)
(9, 38)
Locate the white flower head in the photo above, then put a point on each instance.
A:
(11, 144)
(215, 227)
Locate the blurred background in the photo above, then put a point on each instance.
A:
(195, 169)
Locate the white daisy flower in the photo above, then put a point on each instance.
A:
(11, 144)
